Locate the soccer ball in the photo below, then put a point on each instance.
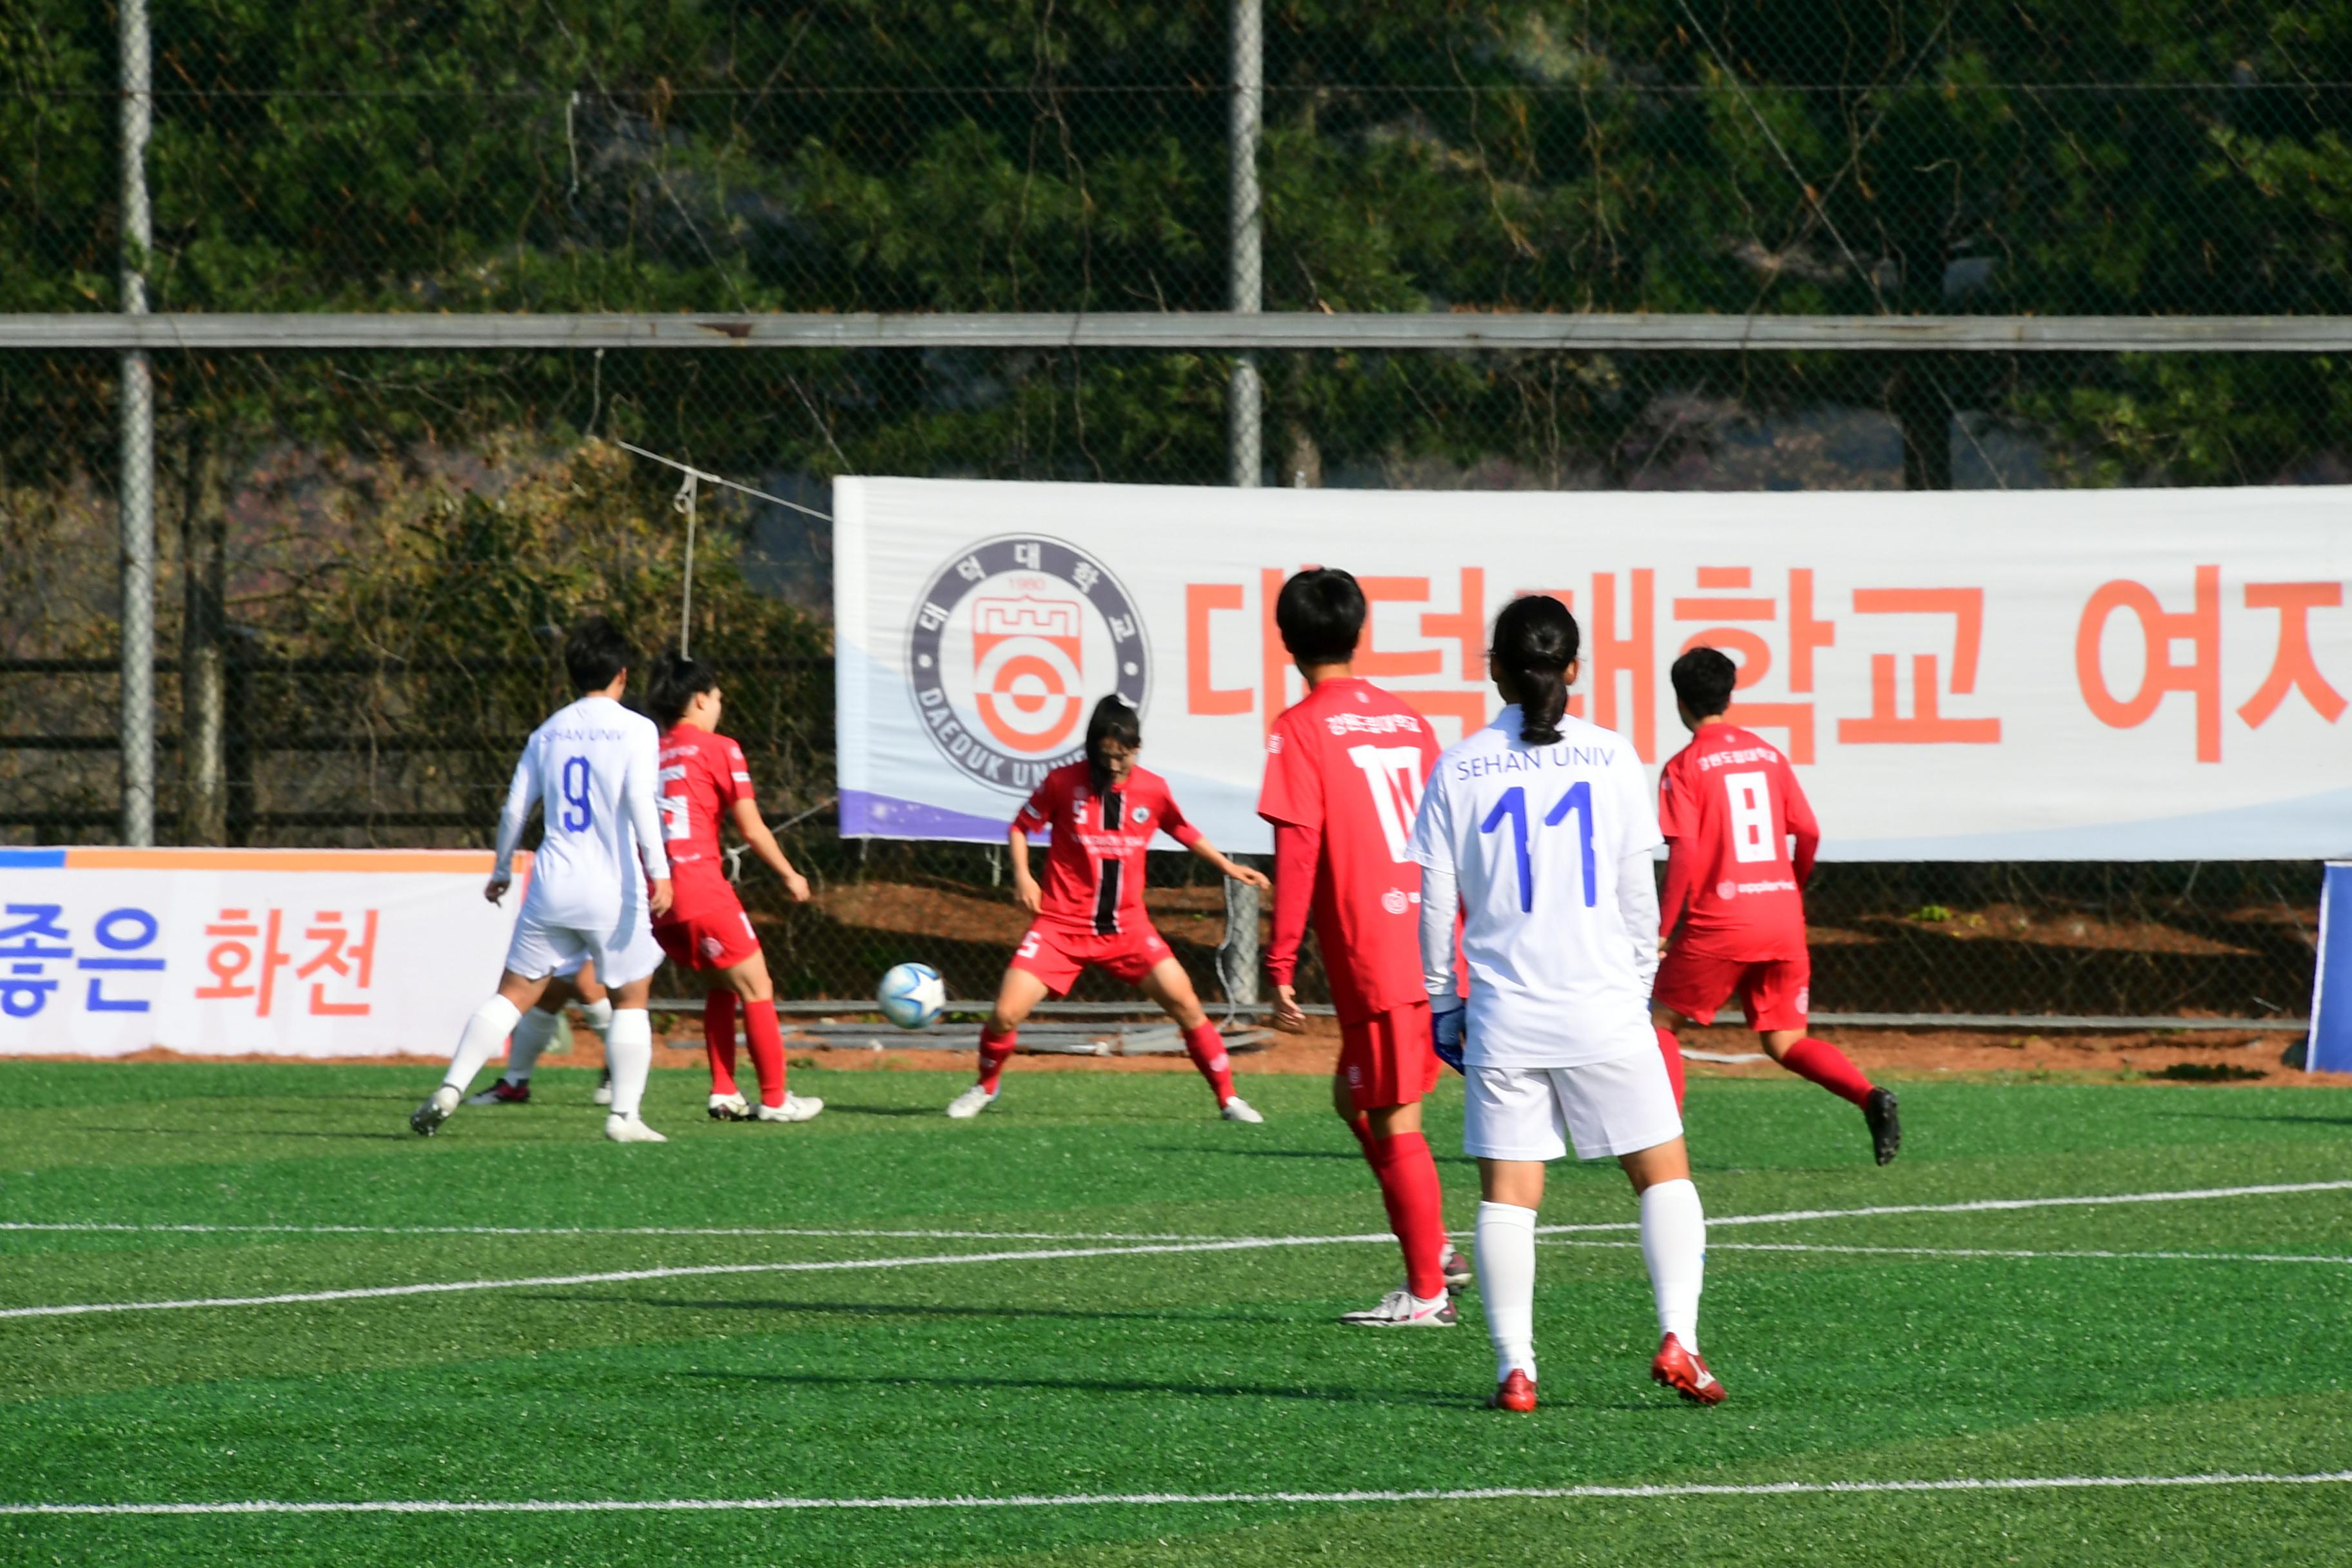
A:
(912, 995)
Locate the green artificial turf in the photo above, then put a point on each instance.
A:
(1186, 1371)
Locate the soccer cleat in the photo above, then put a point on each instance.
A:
(1240, 1110)
(502, 1093)
(1403, 1310)
(971, 1102)
(427, 1117)
(1886, 1126)
(631, 1130)
(1516, 1392)
(604, 1095)
(1459, 1274)
(1683, 1373)
(729, 1108)
(795, 1107)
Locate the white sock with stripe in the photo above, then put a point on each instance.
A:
(1505, 1257)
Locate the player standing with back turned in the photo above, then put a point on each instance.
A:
(593, 764)
(1343, 774)
(1539, 827)
(1728, 805)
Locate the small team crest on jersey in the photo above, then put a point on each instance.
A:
(711, 947)
(1726, 891)
(1394, 902)
(1805, 998)
(1274, 744)
(1013, 642)
(1139, 816)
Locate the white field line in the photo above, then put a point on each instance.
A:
(1977, 1206)
(620, 1276)
(1991, 1252)
(1203, 1499)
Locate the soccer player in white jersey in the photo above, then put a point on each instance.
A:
(594, 766)
(1538, 828)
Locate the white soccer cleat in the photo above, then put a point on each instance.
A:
(1240, 1110)
(1403, 1310)
(971, 1102)
(631, 1130)
(729, 1108)
(795, 1107)
(427, 1117)
(604, 1095)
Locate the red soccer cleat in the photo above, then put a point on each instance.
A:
(1516, 1392)
(1683, 1373)
(502, 1093)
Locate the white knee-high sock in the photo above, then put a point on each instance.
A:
(598, 1015)
(1674, 1245)
(1506, 1260)
(629, 1052)
(531, 1037)
(486, 1031)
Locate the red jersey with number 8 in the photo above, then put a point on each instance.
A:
(1727, 805)
(1094, 868)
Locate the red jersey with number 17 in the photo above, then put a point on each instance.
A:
(1094, 868)
(1728, 803)
(701, 775)
(1347, 760)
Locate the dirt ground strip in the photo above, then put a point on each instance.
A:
(1897, 1054)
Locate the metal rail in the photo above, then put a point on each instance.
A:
(423, 332)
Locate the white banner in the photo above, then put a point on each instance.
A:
(225, 952)
(2033, 674)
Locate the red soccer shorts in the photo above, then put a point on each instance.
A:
(707, 933)
(1059, 957)
(1388, 1058)
(1777, 992)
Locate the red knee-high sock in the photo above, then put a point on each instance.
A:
(1416, 1208)
(1672, 1049)
(1818, 1061)
(766, 1039)
(719, 1039)
(1207, 1049)
(995, 1050)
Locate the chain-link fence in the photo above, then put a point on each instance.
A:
(362, 553)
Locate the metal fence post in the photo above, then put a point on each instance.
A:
(1245, 401)
(136, 498)
(204, 694)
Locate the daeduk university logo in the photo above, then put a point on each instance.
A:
(1012, 643)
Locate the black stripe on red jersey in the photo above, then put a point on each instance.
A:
(1108, 873)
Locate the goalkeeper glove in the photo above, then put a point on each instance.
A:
(1445, 1030)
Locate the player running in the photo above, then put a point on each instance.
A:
(594, 763)
(1539, 827)
(702, 773)
(1103, 811)
(1728, 805)
(1343, 776)
(541, 1024)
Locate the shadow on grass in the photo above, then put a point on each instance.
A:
(1431, 1399)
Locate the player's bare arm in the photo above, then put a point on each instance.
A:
(745, 815)
(1249, 876)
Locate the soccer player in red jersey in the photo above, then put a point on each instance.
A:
(1728, 805)
(1344, 769)
(703, 775)
(1103, 812)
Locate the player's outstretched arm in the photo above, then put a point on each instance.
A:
(745, 814)
(1024, 885)
(638, 789)
(522, 793)
(1297, 849)
(1228, 864)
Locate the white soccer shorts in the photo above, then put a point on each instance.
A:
(625, 954)
(1604, 1109)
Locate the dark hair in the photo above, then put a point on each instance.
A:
(1535, 642)
(1703, 679)
(1114, 719)
(677, 682)
(595, 654)
(1321, 614)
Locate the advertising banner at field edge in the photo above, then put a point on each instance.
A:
(228, 951)
(2044, 675)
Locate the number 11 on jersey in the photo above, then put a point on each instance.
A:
(1512, 805)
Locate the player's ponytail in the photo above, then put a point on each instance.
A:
(1536, 641)
(1114, 720)
(678, 681)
